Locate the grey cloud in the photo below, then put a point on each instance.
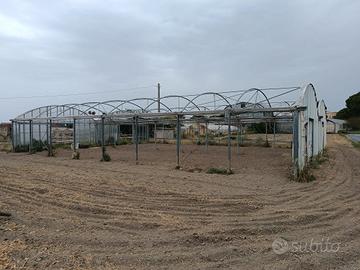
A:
(219, 45)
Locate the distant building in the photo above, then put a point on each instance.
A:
(331, 115)
(335, 125)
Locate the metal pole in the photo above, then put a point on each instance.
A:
(136, 139)
(40, 134)
(266, 131)
(229, 142)
(50, 154)
(47, 132)
(30, 137)
(158, 87)
(238, 139)
(103, 148)
(178, 141)
(18, 132)
(206, 136)
(74, 135)
(24, 138)
(90, 137)
(133, 131)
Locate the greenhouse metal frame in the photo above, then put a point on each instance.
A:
(104, 123)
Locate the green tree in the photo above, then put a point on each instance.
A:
(352, 111)
(352, 108)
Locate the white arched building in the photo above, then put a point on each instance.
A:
(309, 128)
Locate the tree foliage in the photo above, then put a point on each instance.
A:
(352, 108)
(352, 111)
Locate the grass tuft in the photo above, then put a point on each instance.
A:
(223, 171)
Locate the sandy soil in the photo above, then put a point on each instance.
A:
(85, 214)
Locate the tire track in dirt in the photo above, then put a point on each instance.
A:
(95, 215)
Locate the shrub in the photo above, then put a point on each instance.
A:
(22, 148)
(37, 146)
(213, 170)
(305, 176)
(356, 144)
(123, 142)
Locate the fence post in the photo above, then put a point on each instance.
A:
(103, 148)
(30, 136)
(178, 141)
(136, 137)
(266, 131)
(50, 153)
(206, 136)
(24, 134)
(40, 139)
(229, 142)
(74, 135)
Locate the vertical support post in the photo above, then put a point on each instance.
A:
(158, 87)
(90, 137)
(133, 131)
(18, 132)
(24, 134)
(178, 141)
(47, 132)
(40, 141)
(229, 141)
(206, 135)
(30, 136)
(136, 139)
(103, 148)
(74, 135)
(274, 131)
(50, 153)
(266, 131)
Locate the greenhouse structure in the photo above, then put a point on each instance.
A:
(141, 120)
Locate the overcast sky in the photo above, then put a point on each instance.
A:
(64, 47)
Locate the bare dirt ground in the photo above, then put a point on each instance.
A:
(85, 214)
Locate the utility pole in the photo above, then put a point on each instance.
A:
(158, 86)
